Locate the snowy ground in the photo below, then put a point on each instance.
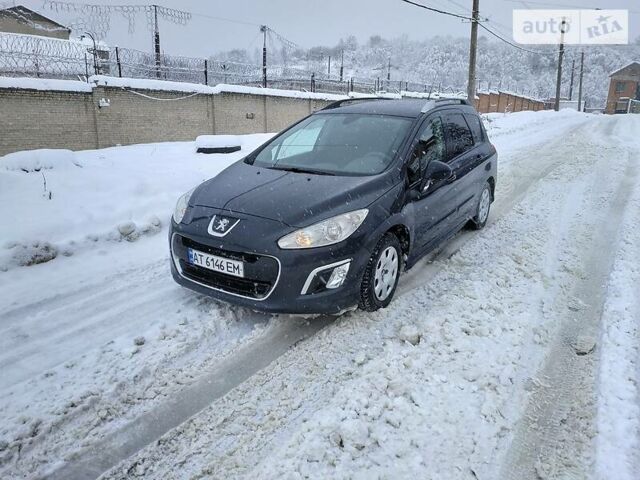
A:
(473, 372)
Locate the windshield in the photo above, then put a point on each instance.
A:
(337, 144)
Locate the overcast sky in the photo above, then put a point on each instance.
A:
(317, 22)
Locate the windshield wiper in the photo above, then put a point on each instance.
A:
(301, 170)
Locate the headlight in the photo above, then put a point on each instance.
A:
(327, 232)
(181, 206)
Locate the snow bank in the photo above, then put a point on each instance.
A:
(618, 418)
(36, 160)
(45, 84)
(513, 131)
(83, 199)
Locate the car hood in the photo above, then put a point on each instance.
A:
(296, 199)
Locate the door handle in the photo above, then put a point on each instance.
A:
(452, 178)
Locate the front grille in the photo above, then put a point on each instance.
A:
(228, 283)
(261, 271)
(240, 256)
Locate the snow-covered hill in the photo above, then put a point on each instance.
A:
(444, 60)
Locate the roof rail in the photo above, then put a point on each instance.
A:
(431, 104)
(339, 103)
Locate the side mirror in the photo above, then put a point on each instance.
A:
(435, 172)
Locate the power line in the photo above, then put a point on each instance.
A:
(499, 37)
(224, 19)
(436, 10)
(459, 5)
(500, 27)
(285, 41)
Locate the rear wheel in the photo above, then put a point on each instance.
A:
(484, 205)
(381, 274)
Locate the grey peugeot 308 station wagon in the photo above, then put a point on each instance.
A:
(326, 215)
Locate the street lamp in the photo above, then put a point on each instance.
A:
(95, 51)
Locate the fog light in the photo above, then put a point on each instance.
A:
(338, 275)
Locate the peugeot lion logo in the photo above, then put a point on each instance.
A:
(220, 225)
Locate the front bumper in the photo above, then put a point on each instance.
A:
(276, 278)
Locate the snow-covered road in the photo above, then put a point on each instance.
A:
(472, 372)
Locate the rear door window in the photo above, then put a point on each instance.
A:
(458, 134)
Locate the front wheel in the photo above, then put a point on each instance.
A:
(381, 274)
(484, 205)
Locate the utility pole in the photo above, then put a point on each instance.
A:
(556, 105)
(156, 39)
(342, 65)
(329, 67)
(573, 67)
(580, 109)
(263, 29)
(473, 50)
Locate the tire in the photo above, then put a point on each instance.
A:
(377, 288)
(482, 210)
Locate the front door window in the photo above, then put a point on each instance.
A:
(430, 147)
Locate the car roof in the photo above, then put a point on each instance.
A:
(411, 108)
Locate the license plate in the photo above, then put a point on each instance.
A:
(215, 263)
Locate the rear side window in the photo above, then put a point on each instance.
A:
(459, 137)
(476, 127)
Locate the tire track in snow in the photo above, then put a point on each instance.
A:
(553, 439)
(92, 462)
(54, 330)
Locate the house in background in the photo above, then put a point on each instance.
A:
(624, 87)
(20, 19)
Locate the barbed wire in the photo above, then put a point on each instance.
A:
(32, 56)
(97, 18)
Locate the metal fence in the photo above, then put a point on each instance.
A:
(33, 56)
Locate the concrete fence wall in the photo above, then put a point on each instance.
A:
(32, 119)
(40, 119)
(488, 102)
